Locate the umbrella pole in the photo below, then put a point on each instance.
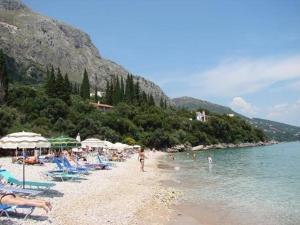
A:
(23, 168)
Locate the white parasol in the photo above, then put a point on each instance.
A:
(24, 140)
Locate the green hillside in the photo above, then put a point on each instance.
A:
(194, 104)
(274, 130)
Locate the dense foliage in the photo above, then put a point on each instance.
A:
(32, 109)
(3, 77)
(60, 107)
(129, 92)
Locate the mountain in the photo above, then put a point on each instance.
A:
(275, 130)
(34, 41)
(194, 104)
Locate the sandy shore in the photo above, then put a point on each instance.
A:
(123, 195)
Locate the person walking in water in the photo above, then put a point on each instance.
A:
(194, 156)
(209, 159)
(142, 159)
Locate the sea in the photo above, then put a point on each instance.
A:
(242, 186)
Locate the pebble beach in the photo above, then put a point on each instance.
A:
(120, 196)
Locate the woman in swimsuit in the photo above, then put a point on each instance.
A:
(11, 199)
(142, 159)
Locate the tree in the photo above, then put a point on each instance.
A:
(151, 100)
(67, 90)
(108, 94)
(137, 91)
(161, 103)
(122, 94)
(85, 86)
(51, 84)
(3, 78)
(60, 85)
(116, 91)
(96, 94)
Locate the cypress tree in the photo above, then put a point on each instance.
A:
(161, 103)
(111, 92)
(51, 84)
(67, 90)
(74, 88)
(60, 85)
(108, 93)
(47, 79)
(137, 93)
(144, 98)
(96, 94)
(127, 89)
(96, 99)
(151, 100)
(3, 78)
(122, 97)
(131, 88)
(67, 84)
(117, 91)
(85, 86)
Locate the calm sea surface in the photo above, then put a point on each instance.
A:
(259, 185)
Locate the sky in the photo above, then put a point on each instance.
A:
(241, 54)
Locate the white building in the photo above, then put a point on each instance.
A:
(201, 116)
(230, 115)
(99, 93)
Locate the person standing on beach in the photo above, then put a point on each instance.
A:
(142, 159)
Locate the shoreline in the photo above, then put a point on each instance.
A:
(121, 196)
(184, 148)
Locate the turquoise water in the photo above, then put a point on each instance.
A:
(259, 185)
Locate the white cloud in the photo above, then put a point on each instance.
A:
(243, 76)
(288, 113)
(241, 105)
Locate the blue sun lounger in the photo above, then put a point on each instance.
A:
(19, 191)
(5, 209)
(105, 162)
(62, 168)
(63, 176)
(13, 181)
(80, 169)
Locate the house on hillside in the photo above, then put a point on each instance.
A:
(201, 116)
(99, 93)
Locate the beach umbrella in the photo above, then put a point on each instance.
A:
(64, 141)
(24, 140)
(119, 146)
(93, 143)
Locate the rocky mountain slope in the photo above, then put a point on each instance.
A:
(275, 130)
(34, 41)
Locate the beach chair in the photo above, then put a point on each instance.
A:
(63, 176)
(91, 166)
(102, 160)
(80, 169)
(5, 209)
(62, 168)
(19, 191)
(13, 181)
